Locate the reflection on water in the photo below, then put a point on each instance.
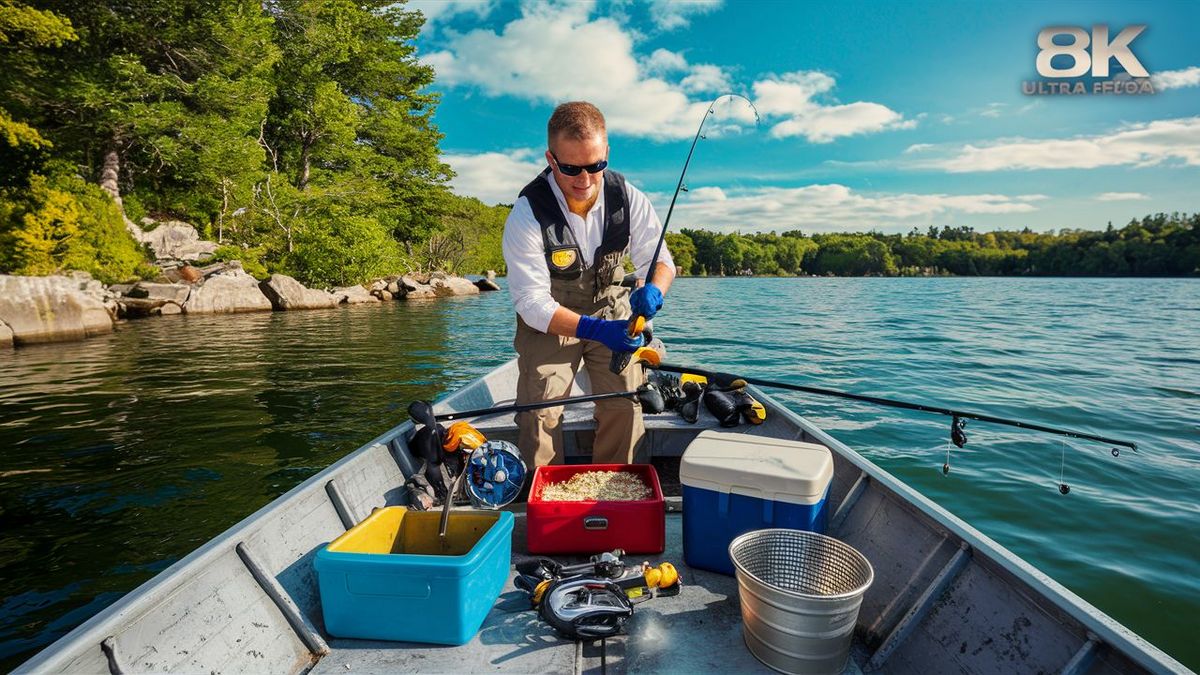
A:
(124, 453)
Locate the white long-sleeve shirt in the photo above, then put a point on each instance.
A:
(525, 255)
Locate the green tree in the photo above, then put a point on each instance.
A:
(683, 252)
(24, 29)
(852, 255)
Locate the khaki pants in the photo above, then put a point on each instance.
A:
(547, 365)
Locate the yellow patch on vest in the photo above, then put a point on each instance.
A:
(563, 258)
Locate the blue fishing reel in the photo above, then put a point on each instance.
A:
(495, 474)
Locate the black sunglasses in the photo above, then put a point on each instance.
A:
(574, 170)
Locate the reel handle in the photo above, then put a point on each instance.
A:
(620, 360)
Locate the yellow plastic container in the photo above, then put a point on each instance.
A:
(397, 530)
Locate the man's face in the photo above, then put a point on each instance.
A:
(586, 186)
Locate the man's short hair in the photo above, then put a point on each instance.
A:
(577, 120)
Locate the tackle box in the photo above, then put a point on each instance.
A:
(390, 578)
(734, 483)
(594, 526)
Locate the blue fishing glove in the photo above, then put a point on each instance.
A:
(609, 333)
(646, 301)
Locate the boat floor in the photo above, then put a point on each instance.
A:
(696, 631)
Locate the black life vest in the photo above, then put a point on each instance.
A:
(563, 256)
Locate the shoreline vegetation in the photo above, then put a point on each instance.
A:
(299, 139)
(1156, 245)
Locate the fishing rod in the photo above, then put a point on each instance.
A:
(958, 434)
(644, 394)
(637, 323)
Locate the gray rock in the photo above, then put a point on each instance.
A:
(120, 289)
(229, 291)
(382, 295)
(353, 295)
(177, 293)
(444, 285)
(175, 240)
(393, 287)
(6, 335)
(491, 275)
(286, 293)
(137, 308)
(487, 285)
(218, 267)
(52, 309)
(421, 292)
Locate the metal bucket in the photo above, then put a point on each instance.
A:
(800, 593)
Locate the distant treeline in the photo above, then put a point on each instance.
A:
(1157, 245)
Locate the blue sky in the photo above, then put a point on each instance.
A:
(873, 115)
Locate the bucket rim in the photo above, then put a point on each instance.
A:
(838, 543)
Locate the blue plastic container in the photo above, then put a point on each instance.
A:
(388, 578)
(735, 483)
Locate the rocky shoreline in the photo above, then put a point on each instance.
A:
(76, 306)
(73, 307)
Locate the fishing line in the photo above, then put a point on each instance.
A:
(1062, 469)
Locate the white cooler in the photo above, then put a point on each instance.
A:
(734, 483)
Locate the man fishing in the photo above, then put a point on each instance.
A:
(563, 244)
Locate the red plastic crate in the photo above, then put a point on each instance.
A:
(594, 527)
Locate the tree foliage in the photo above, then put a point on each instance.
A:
(297, 130)
(64, 223)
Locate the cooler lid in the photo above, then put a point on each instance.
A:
(757, 466)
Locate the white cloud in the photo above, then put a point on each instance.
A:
(830, 208)
(707, 194)
(534, 58)
(706, 78)
(917, 147)
(664, 61)
(792, 96)
(494, 177)
(992, 110)
(646, 96)
(673, 14)
(1140, 145)
(1175, 79)
(1120, 196)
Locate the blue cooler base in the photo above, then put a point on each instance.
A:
(711, 520)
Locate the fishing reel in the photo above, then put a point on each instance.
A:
(593, 599)
(495, 475)
(583, 608)
(492, 472)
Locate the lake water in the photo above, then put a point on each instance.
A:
(121, 454)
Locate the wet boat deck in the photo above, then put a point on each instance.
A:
(698, 630)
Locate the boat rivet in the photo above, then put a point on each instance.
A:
(946, 468)
(1064, 488)
(1116, 452)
